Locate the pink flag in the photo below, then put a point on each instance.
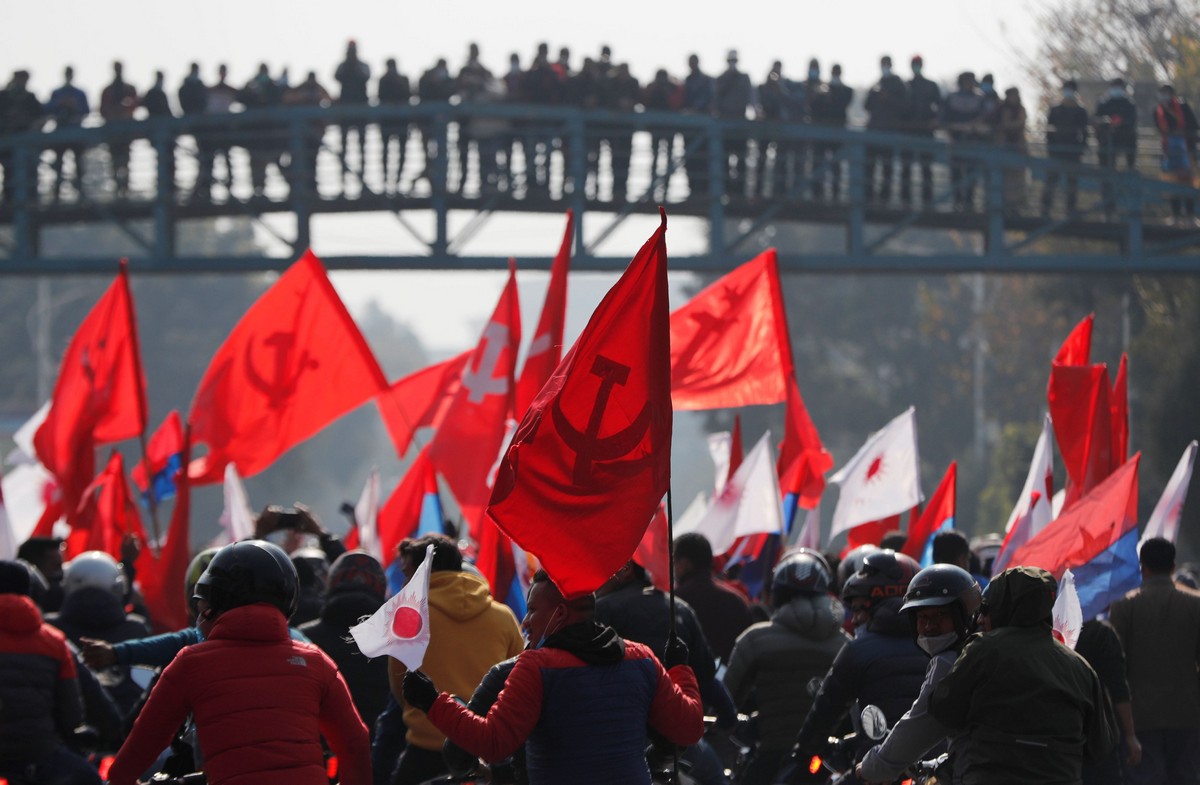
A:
(400, 628)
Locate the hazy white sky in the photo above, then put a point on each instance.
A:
(951, 35)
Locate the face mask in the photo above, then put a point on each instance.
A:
(814, 74)
(936, 644)
(916, 70)
(1164, 97)
(887, 71)
(859, 629)
(550, 629)
(1068, 94)
(835, 80)
(989, 89)
(1116, 92)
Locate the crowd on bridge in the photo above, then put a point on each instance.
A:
(521, 157)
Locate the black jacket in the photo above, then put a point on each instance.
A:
(366, 678)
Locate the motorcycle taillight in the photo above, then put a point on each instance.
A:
(814, 765)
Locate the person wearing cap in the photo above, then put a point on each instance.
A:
(733, 95)
(357, 586)
(1026, 708)
(40, 704)
(1066, 140)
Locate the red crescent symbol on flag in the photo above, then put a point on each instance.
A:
(407, 622)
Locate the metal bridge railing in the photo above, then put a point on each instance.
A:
(500, 157)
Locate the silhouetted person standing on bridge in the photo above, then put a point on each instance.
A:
(1010, 134)
(302, 168)
(921, 120)
(117, 104)
(1116, 134)
(353, 75)
(436, 86)
(393, 90)
(68, 106)
(663, 94)
(887, 107)
(262, 92)
(1066, 140)
(963, 116)
(733, 94)
(699, 90)
(827, 107)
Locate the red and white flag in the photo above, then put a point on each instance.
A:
(366, 515)
(237, 519)
(810, 533)
(8, 540)
(1032, 512)
(883, 479)
(749, 503)
(400, 628)
(1164, 521)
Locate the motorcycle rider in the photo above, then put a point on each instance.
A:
(260, 700)
(881, 666)
(942, 602)
(773, 661)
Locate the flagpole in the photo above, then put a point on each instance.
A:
(141, 397)
(671, 559)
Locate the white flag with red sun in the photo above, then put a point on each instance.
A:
(883, 479)
(400, 628)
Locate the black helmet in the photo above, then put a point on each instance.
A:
(884, 575)
(799, 572)
(945, 584)
(247, 572)
(852, 563)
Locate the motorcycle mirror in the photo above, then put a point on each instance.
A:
(813, 686)
(874, 723)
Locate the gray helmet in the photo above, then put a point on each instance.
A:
(800, 572)
(94, 570)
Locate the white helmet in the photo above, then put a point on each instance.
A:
(94, 569)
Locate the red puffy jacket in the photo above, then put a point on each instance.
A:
(261, 703)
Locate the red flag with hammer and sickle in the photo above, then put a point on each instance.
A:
(468, 442)
(100, 395)
(294, 363)
(545, 350)
(592, 458)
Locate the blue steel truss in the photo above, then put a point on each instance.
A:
(492, 160)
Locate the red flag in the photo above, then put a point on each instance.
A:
(100, 395)
(870, 533)
(400, 515)
(729, 344)
(941, 508)
(295, 362)
(166, 442)
(1082, 416)
(652, 551)
(466, 445)
(1120, 414)
(803, 460)
(1088, 528)
(495, 559)
(420, 399)
(162, 577)
(545, 350)
(106, 514)
(592, 458)
(1077, 348)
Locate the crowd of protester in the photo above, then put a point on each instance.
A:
(268, 670)
(504, 153)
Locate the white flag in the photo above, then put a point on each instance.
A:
(810, 535)
(748, 504)
(1164, 521)
(237, 519)
(689, 519)
(882, 479)
(25, 490)
(1067, 614)
(8, 541)
(366, 515)
(720, 447)
(23, 438)
(1032, 512)
(400, 628)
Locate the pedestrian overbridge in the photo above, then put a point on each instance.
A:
(491, 161)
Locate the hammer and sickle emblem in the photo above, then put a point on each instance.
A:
(479, 380)
(589, 447)
(282, 384)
